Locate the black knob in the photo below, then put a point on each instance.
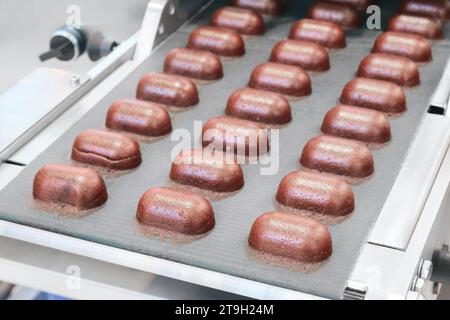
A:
(66, 44)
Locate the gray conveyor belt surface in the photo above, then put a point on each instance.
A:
(225, 249)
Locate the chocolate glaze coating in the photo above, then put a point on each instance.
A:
(284, 79)
(374, 94)
(340, 13)
(360, 5)
(221, 41)
(167, 89)
(270, 7)
(338, 156)
(175, 210)
(317, 193)
(244, 21)
(295, 237)
(307, 55)
(399, 70)
(64, 185)
(328, 34)
(242, 137)
(423, 26)
(139, 117)
(111, 150)
(411, 46)
(204, 170)
(432, 8)
(197, 64)
(447, 16)
(259, 106)
(355, 123)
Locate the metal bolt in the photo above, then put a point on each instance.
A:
(172, 9)
(418, 284)
(161, 29)
(425, 269)
(75, 80)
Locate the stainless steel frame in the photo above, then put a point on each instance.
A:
(26, 27)
(73, 80)
(399, 216)
(388, 273)
(17, 136)
(405, 233)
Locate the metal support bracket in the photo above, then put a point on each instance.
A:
(162, 18)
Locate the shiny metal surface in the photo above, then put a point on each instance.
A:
(440, 99)
(176, 13)
(26, 32)
(78, 277)
(25, 105)
(47, 239)
(401, 212)
(27, 25)
(150, 264)
(162, 18)
(61, 124)
(32, 110)
(389, 273)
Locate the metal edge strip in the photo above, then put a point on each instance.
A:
(25, 275)
(439, 101)
(400, 214)
(89, 81)
(174, 270)
(388, 273)
(162, 18)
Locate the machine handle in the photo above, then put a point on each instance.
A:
(54, 53)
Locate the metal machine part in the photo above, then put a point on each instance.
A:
(425, 269)
(66, 44)
(390, 273)
(26, 27)
(441, 266)
(99, 47)
(40, 110)
(162, 18)
(31, 106)
(69, 43)
(416, 177)
(382, 271)
(71, 78)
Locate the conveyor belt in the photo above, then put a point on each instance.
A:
(225, 248)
